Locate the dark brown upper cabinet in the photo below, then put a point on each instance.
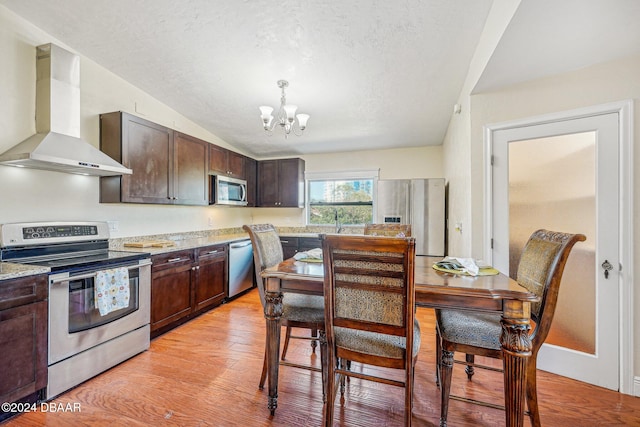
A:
(281, 183)
(226, 162)
(251, 172)
(168, 167)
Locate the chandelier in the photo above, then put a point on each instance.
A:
(285, 117)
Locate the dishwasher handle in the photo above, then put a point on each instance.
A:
(240, 244)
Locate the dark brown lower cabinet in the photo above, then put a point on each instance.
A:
(211, 277)
(171, 277)
(23, 339)
(186, 283)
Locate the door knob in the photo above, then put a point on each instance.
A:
(606, 265)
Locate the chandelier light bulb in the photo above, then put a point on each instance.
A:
(290, 110)
(266, 112)
(302, 120)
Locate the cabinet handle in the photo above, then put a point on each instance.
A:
(174, 260)
(212, 252)
(284, 241)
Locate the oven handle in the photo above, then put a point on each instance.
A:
(88, 275)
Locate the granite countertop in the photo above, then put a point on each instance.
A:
(196, 239)
(179, 241)
(9, 270)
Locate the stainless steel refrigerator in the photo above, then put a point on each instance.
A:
(419, 202)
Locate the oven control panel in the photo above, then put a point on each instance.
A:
(18, 234)
(45, 232)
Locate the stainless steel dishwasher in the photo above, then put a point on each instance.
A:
(240, 267)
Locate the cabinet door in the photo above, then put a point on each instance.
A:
(268, 183)
(147, 150)
(289, 246)
(235, 165)
(211, 276)
(251, 171)
(190, 170)
(291, 183)
(226, 162)
(23, 359)
(217, 160)
(171, 277)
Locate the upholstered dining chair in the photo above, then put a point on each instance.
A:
(369, 311)
(540, 270)
(390, 230)
(298, 310)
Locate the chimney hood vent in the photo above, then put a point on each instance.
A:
(57, 145)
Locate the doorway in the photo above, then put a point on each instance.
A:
(566, 172)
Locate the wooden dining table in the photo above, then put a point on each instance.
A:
(435, 289)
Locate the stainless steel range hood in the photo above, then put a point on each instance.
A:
(57, 144)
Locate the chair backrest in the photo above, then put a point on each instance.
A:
(390, 230)
(540, 271)
(267, 251)
(369, 284)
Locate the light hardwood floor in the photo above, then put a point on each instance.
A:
(206, 372)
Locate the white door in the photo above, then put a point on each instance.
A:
(564, 176)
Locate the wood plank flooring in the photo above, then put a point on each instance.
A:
(206, 372)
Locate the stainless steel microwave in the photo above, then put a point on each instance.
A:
(228, 191)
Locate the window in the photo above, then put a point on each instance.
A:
(340, 198)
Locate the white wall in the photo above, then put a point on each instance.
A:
(457, 152)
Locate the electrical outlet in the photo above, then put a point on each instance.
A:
(113, 226)
(210, 221)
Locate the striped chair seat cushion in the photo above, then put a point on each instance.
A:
(303, 308)
(470, 328)
(374, 343)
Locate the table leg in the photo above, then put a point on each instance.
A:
(516, 349)
(272, 314)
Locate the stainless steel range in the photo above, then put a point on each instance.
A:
(99, 300)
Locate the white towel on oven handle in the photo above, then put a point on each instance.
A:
(112, 290)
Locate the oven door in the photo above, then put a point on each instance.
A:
(75, 324)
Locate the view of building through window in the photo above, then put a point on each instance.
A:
(344, 202)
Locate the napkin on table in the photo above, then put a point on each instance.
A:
(312, 255)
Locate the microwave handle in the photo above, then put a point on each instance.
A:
(244, 193)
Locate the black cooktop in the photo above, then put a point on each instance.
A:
(71, 257)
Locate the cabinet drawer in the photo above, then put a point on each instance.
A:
(171, 260)
(210, 252)
(24, 290)
(289, 241)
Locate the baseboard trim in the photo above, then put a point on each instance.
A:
(636, 386)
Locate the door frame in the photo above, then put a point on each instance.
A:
(624, 109)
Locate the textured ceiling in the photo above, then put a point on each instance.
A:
(371, 73)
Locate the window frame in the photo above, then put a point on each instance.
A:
(355, 175)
